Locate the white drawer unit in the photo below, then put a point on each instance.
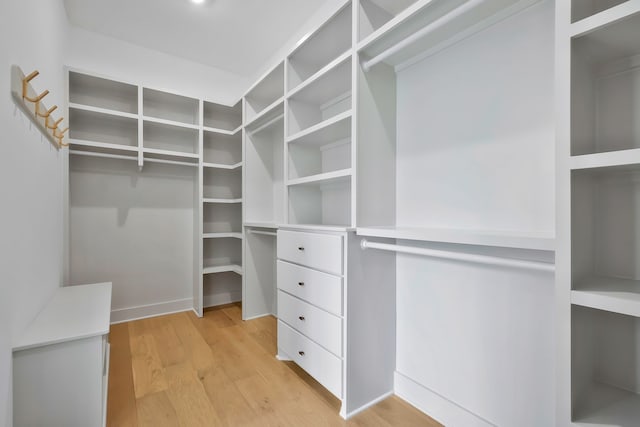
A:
(320, 251)
(331, 321)
(325, 367)
(320, 289)
(322, 327)
(61, 363)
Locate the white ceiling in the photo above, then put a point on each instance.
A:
(234, 35)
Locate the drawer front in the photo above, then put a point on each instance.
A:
(318, 362)
(320, 251)
(320, 289)
(318, 325)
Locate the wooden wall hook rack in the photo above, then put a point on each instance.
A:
(30, 102)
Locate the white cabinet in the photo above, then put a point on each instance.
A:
(331, 322)
(61, 363)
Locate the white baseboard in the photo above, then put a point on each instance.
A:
(436, 406)
(151, 310)
(221, 299)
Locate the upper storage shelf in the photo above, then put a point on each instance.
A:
(227, 119)
(170, 108)
(429, 25)
(604, 87)
(269, 91)
(97, 93)
(320, 48)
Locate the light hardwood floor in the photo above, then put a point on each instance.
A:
(181, 370)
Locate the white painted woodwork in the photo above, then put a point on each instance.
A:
(321, 289)
(325, 367)
(319, 251)
(320, 326)
(90, 91)
(328, 42)
(61, 360)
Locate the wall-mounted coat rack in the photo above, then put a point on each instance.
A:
(31, 103)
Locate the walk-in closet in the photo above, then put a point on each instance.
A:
(322, 212)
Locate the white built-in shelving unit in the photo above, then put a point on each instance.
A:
(598, 285)
(319, 145)
(264, 190)
(126, 121)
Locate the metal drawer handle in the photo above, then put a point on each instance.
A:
(301, 318)
(301, 248)
(301, 353)
(300, 283)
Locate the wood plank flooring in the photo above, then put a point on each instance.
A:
(181, 370)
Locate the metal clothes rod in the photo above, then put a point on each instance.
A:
(109, 156)
(264, 233)
(266, 125)
(479, 259)
(443, 20)
(171, 162)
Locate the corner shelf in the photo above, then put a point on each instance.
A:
(336, 127)
(497, 238)
(607, 160)
(233, 268)
(222, 201)
(222, 236)
(221, 166)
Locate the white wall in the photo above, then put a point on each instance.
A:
(125, 61)
(32, 35)
(475, 150)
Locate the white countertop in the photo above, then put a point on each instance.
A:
(74, 312)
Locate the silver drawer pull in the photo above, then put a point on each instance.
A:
(300, 283)
(301, 248)
(301, 353)
(301, 318)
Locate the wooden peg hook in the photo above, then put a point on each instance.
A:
(47, 113)
(55, 124)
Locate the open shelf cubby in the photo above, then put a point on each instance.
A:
(264, 157)
(221, 252)
(265, 93)
(222, 183)
(605, 368)
(223, 117)
(322, 99)
(260, 279)
(606, 239)
(581, 9)
(222, 149)
(327, 150)
(102, 93)
(168, 106)
(321, 203)
(102, 128)
(171, 138)
(326, 44)
(222, 218)
(373, 14)
(605, 88)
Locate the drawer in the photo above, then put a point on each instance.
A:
(320, 251)
(318, 362)
(320, 289)
(318, 325)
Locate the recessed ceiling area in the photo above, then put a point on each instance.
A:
(238, 36)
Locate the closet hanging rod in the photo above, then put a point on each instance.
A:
(479, 259)
(171, 162)
(266, 125)
(443, 20)
(104, 155)
(263, 233)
